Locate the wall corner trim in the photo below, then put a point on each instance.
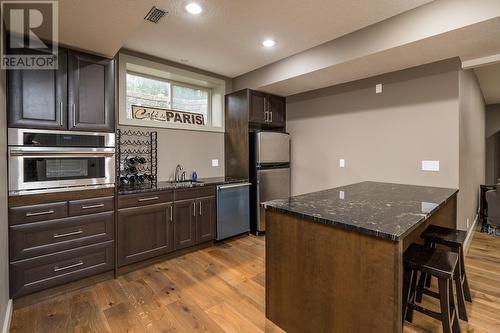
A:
(470, 234)
(8, 317)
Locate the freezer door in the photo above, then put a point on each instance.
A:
(272, 147)
(271, 184)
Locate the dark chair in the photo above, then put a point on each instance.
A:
(454, 239)
(437, 263)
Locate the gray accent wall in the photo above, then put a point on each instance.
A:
(4, 250)
(492, 143)
(420, 115)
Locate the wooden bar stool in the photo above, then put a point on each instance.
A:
(442, 265)
(454, 239)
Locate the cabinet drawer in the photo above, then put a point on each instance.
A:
(40, 238)
(35, 213)
(30, 275)
(89, 206)
(143, 199)
(193, 193)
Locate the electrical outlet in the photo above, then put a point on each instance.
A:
(430, 165)
(468, 223)
(342, 163)
(341, 195)
(378, 88)
(215, 163)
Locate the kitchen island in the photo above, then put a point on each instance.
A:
(334, 258)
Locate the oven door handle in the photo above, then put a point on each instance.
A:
(31, 151)
(54, 154)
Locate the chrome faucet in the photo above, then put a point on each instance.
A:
(178, 176)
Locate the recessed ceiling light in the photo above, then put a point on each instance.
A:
(268, 43)
(194, 8)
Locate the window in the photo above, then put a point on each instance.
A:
(158, 95)
(162, 94)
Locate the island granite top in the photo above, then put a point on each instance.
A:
(385, 210)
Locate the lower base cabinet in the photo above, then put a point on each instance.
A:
(144, 232)
(205, 220)
(51, 270)
(185, 224)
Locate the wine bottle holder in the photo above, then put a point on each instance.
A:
(137, 145)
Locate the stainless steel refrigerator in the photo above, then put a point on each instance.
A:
(269, 172)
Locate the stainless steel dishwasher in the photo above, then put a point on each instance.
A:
(233, 210)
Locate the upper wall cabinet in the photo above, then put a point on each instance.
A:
(78, 96)
(90, 93)
(266, 109)
(38, 98)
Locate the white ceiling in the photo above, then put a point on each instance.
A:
(226, 38)
(489, 80)
(99, 26)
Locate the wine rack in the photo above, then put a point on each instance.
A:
(137, 157)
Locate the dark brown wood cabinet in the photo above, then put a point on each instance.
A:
(79, 95)
(248, 110)
(144, 232)
(38, 98)
(90, 92)
(266, 109)
(205, 219)
(55, 242)
(184, 224)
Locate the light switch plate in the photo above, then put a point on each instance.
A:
(341, 195)
(378, 88)
(215, 163)
(342, 163)
(430, 165)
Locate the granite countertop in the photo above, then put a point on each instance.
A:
(170, 185)
(385, 210)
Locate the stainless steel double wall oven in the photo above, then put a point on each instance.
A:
(43, 161)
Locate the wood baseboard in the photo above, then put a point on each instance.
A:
(7, 318)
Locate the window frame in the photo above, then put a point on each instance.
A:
(215, 87)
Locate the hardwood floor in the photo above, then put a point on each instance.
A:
(221, 289)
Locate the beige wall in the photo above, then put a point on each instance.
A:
(4, 251)
(472, 148)
(192, 149)
(383, 137)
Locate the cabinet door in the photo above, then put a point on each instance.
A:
(144, 232)
(37, 98)
(205, 220)
(258, 106)
(185, 224)
(91, 93)
(277, 109)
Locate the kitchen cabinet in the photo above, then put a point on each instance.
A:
(38, 98)
(245, 111)
(266, 109)
(90, 92)
(79, 95)
(185, 224)
(144, 232)
(59, 239)
(205, 220)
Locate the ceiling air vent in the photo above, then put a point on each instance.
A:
(155, 14)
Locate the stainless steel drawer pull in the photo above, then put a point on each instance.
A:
(148, 199)
(68, 234)
(58, 269)
(194, 208)
(171, 213)
(47, 212)
(200, 208)
(93, 206)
